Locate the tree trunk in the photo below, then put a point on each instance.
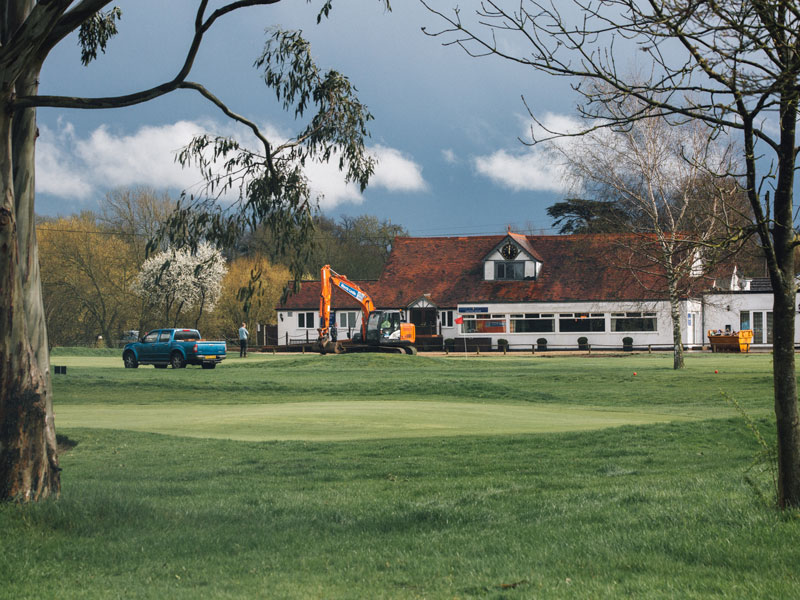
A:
(28, 461)
(782, 275)
(677, 342)
(675, 314)
(783, 368)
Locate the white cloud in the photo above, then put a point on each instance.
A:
(74, 167)
(328, 181)
(395, 172)
(528, 171)
(535, 168)
(147, 156)
(57, 171)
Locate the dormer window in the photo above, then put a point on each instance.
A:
(513, 259)
(509, 270)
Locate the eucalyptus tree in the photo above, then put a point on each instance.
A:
(733, 65)
(271, 184)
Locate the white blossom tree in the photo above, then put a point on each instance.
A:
(176, 281)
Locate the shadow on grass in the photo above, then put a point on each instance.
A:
(64, 444)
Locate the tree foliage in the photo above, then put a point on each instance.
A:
(580, 215)
(87, 273)
(251, 290)
(269, 185)
(357, 246)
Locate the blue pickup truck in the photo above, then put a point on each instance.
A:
(176, 347)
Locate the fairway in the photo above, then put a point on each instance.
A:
(407, 477)
(336, 421)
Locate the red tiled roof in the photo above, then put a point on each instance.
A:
(450, 271)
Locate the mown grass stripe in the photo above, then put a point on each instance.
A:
(329, 421)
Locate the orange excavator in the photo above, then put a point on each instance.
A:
(381, 330)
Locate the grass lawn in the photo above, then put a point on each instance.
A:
(407, 477)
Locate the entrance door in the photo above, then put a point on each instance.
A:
(424, 320)
(691, 329)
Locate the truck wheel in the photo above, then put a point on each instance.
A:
(177, 361)
(209, 365)
(130, 360)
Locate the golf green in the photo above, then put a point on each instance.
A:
(349, 420)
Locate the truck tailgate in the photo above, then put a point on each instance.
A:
(209, 348)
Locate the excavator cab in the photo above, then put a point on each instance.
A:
(385, 328)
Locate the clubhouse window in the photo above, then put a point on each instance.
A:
(346, 319)
(581, 322)
(305, 320)
(509, 270)
(633, 321)
(483, 324)
(532, 323)
(447, 318)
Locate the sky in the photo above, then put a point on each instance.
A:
(446, 132)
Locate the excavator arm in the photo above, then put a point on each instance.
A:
(328, 279)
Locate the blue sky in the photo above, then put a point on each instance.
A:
(445, 132)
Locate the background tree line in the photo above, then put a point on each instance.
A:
(91, 264)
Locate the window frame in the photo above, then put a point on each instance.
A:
(531, 318)
(304, 318)
(764, 333)
(630, 318)
(504, 265)
(476, 322)
(446, 318)
(595, 322)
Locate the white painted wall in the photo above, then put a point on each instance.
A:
(288, 323)
(713, 311)
(606, 339)
(724, 309)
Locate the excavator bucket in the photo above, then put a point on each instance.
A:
(327, 346)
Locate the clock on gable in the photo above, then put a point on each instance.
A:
(509, 251)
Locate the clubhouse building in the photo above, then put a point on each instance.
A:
(554, 292)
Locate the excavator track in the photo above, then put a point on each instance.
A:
(371, 348)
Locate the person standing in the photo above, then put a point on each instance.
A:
(243, 335)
